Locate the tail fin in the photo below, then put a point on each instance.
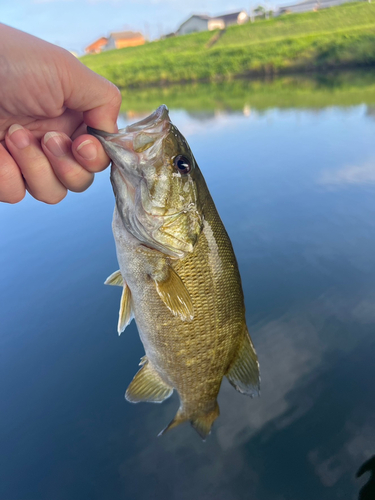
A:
(202, 423)
(178, 419)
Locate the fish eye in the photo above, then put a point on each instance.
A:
(182, 164)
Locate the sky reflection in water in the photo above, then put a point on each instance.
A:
(296, 192)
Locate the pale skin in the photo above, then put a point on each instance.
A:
(47, 98)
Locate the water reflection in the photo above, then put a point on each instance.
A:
(294, 184)
(240, 96)
(351, 174)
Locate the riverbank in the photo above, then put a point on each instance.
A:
(339, 37)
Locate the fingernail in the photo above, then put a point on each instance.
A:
(56, 144)
(19, 136)
(87, 150)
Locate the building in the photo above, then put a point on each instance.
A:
(308, 6)
(203, 22)
(240, 17)
(97, 46)
(121, 39)
(195, 23)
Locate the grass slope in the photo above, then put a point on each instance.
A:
(336, 37)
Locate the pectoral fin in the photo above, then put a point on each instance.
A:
(175, 296)
(243, 373)
(115, 279)
(147, 386)
(125, 314)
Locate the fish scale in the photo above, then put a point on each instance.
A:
(180, 276)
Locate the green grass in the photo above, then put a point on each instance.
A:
(338, 37)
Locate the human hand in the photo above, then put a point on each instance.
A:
(47, 97)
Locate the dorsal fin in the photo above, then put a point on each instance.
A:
(243, 373)
(148, 386)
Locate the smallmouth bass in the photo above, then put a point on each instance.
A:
(178, 273)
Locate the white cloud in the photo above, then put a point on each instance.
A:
(358, 448)
(350, 175)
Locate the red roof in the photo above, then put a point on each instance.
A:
(97, 45)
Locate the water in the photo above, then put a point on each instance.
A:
(295, 187)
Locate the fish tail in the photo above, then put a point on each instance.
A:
(202, 422)
(178, 419)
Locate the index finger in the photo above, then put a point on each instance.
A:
(97, 98)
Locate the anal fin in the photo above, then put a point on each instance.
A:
(243, 373)
(175, 296)
(148, 386)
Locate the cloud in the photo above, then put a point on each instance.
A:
(288, 349)
(350, 175)
(358, 448)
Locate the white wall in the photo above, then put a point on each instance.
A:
(216, 24)
(193, 25)
(110, 44)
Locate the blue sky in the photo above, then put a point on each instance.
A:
(74, 24)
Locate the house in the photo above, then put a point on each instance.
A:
(204, 22)
(195, 23)
(121, 39)
(308, 6)
(240, 17)
(96, 46)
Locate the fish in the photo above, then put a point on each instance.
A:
(178, 272)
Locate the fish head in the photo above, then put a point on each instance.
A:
(154, 177)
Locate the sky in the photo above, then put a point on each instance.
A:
(74, 24)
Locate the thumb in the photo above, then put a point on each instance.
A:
(97, 98)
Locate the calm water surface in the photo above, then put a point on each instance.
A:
(296, 190)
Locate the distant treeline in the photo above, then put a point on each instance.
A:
(338, 37)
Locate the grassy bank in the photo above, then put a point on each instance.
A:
(338, 37)
(314, 92)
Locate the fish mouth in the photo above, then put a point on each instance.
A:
(159, 116)
(124, 146)
(151, 121)
(95, 132)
